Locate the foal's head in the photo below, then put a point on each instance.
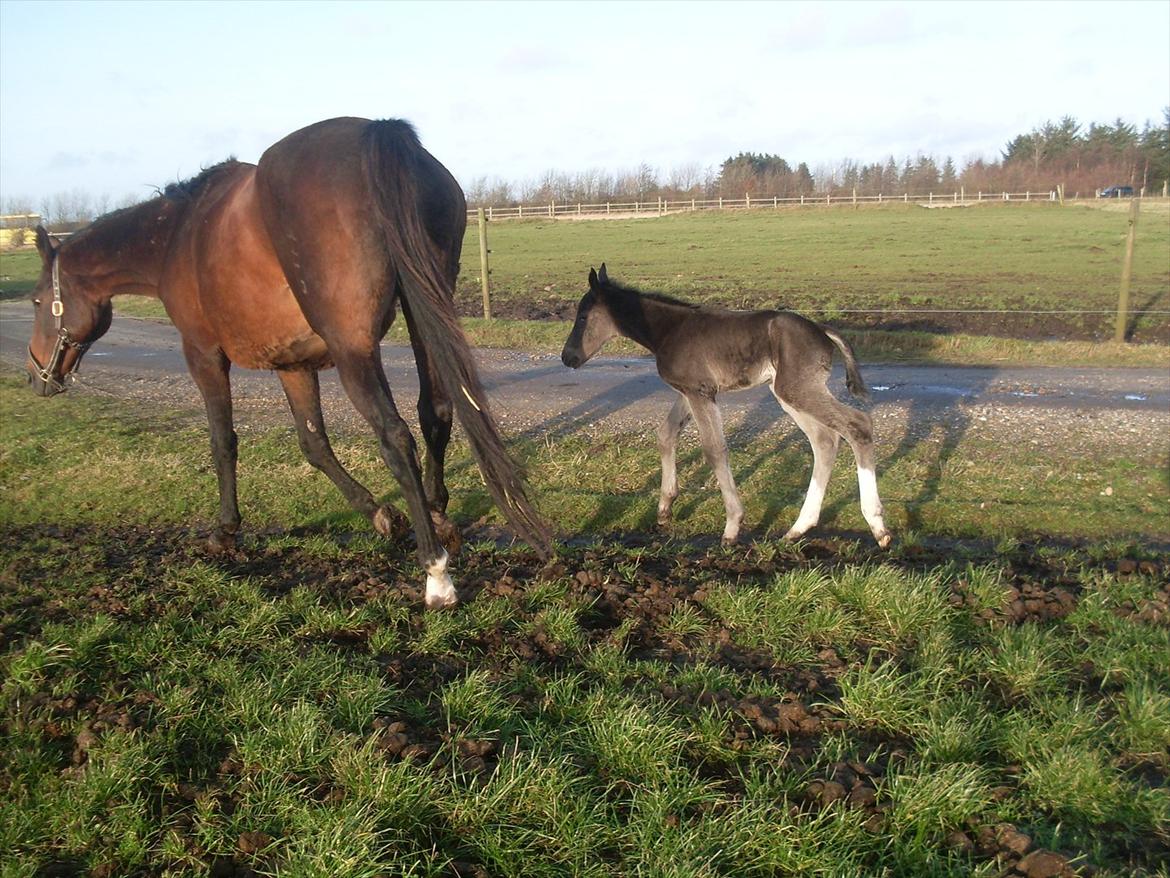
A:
(65, 321)
(594, 325)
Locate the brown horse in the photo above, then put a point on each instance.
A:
(702, 351)
(296, 264)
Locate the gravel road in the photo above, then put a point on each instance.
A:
(1083, 411)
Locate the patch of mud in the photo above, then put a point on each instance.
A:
(626, 589)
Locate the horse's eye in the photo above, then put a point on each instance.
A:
(37, 302)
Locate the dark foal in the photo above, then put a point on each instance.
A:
(296, 264)
(702, 351)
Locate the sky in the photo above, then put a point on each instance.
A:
(118, 99)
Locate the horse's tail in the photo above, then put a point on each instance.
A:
(853, 378)
(413, 193)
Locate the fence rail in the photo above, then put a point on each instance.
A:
(661, 206)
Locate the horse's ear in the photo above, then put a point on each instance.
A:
(593, 284)
(602, 276)
(46, 243)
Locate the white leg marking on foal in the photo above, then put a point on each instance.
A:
(440, 589)
(871, 505)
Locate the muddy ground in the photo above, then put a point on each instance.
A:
(1038, 588)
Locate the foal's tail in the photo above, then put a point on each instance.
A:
(413, 194)
(852, 373)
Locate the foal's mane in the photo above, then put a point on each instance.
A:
(611, 286)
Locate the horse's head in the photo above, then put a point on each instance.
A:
(593, 326)
(65, 321)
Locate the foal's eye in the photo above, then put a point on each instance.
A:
(37, 302)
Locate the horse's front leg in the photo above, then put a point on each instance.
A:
(710, 424)
(303, 391)
(209, 369)
(668, 435)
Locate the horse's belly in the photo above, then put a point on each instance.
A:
(281, 341)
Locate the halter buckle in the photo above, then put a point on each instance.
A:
(57, 308)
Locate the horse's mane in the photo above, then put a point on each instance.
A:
(189, 189)
(117, 223)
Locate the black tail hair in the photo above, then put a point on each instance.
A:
(853, 378)
(396, 167)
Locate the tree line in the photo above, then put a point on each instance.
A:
(1084, 159)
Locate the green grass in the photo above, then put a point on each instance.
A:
(645, 705)
(990, 257)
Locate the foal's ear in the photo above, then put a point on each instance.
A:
(602, 275)
(593, 284)
(46, 243)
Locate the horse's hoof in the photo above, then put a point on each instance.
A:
(884, 539)
(221, 542)
(447, 533)
(729, 541)
(440, 590)
(390, 523)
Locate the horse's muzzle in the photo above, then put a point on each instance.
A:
(571, 359)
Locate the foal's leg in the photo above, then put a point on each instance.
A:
(209, 369)
(365, 384)
(824, 446)
(668, 435)
(303, 391)
(857, 428)
(710, 424)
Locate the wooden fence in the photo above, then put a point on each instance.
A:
(662, 206)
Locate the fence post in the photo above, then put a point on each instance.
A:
(483, 264)
(905, 197)
(1126, 270)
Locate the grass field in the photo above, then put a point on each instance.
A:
(992, 694)
(1013, 257)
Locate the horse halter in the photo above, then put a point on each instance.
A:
(64, 340)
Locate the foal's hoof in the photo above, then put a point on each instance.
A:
(390, 523)
(447, 533)
(884, 539)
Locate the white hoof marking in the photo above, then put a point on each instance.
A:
(440, 591)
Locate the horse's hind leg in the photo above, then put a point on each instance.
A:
(710, 424)
(303, 391)
(434, 419)
(365, 384)
(668, 435)
(209, 369)
(857, 428)
(824, 446)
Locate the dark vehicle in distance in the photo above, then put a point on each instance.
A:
(1117, 192)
